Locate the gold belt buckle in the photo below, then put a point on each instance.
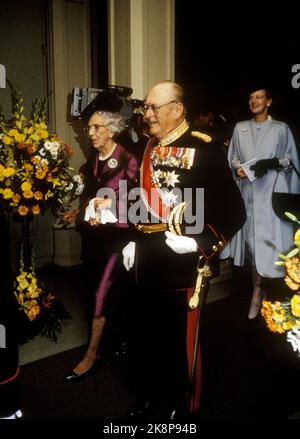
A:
(173, 225)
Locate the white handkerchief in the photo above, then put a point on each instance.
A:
(246, 168)
(90, 211)
(106, 216)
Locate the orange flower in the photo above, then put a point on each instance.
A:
(40, 174)
(291, 284)
(31, 149)
(68, 149)
(22, 210)
(38, 195)
(36, 210)
(28, 167)
(293, 269)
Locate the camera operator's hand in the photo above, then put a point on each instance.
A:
(261, 167)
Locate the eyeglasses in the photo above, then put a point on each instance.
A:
(95, 128)
(154, 108)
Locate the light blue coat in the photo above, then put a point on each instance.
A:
(263, 235)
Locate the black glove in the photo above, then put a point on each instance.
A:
(261, 166)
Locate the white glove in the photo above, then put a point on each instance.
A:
(128, 253)
(106, 216)
(181, 244)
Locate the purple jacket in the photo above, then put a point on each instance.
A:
(106, 175)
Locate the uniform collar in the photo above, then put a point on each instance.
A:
(174, 134)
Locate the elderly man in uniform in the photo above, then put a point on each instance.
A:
(176, 248)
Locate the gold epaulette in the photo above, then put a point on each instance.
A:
(205, 137)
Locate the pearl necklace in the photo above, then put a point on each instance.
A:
(104, 157)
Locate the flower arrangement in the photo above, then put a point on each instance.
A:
(35, 176)
(284, 317)
(41, 310)
(35, 173)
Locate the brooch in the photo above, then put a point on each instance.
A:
(112, 163)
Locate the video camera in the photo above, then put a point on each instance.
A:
(81, 97)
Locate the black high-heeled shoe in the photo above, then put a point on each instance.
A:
(72, 376)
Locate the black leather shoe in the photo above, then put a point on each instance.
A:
(71, 377)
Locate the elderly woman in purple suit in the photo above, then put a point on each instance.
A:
(102, 218)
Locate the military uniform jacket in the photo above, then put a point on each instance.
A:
(183, 167)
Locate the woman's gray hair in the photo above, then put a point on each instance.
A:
(115, 122)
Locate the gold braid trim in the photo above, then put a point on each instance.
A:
(205, 137)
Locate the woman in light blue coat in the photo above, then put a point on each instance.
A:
(260, 155)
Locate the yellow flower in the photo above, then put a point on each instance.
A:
(26, 186)
(8, 172)
(33, 292)
(48, 195)
(7, 140)
(7, 194)
(16, 198)
(288, 324)
(43, 134)
(43, 126)
(295, 305)
(19, 137)
(56, 182)
(297, 235)
(35, 136)
(23, 283)
(2, 172)
(28, 194)
(28, 130)
(13, 132)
